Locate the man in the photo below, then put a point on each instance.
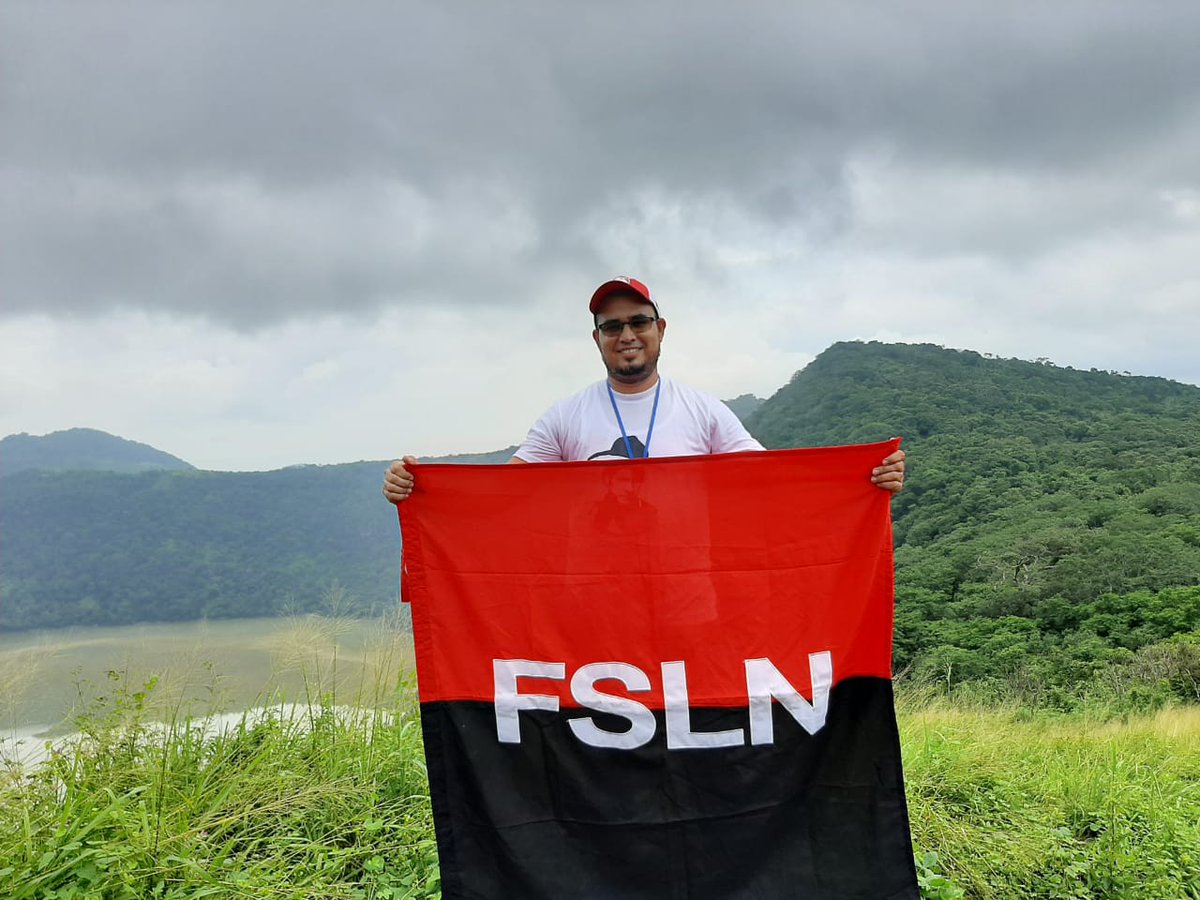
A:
(633, 413)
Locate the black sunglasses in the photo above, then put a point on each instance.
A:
(638, 324)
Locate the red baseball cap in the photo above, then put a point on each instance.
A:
(620, 284)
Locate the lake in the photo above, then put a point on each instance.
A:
(49, 678)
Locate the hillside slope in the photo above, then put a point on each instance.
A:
(114, 548)
(979, 428)
(1047, 515)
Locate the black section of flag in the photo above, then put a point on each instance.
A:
(820, 816)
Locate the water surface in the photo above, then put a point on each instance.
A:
(49, 678)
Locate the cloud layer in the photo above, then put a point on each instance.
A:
(1022, 179)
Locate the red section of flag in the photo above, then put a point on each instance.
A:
(712, 560)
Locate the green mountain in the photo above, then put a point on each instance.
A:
(1049, 532)
(115, 548)
(82, 449)
(1048, 541)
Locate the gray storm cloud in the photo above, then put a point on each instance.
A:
(250, 163)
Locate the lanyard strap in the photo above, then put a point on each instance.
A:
(621, 423)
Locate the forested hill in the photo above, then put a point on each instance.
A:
(111, 549)
(986, 434)
(856, 391)
(82, 449)
(1049, 533)
(1048, 539)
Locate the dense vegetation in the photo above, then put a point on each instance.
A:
(110, 549)
(1048, 540)
(328, 802)
(1022, 805)
(102, 548)
(81, 449)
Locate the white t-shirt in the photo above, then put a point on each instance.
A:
(583, 426)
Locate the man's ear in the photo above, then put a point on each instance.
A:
(662, 327)
(596, 337)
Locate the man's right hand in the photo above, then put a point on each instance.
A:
(398, 481)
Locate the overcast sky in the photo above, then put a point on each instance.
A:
(259, 234)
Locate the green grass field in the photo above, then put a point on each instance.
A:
(331, 803)
(1016, 804)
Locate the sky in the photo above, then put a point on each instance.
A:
(257, 235)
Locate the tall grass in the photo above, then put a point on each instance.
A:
(18, 673)
(323, 798)
(1020, 804)
(328, 798)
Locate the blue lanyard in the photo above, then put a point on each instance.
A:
(621, 424)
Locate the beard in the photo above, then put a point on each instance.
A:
(640, 369)
(631, 373)
(634, 372)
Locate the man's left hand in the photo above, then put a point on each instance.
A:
(889, 475)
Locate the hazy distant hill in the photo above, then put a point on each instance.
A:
(178, 545)
(82, 448)
(744, 405)
(1050, 529)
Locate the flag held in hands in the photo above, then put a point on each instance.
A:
(665, 678)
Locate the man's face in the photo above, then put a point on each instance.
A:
(630, 357)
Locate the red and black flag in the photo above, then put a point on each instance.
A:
(665, 678)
